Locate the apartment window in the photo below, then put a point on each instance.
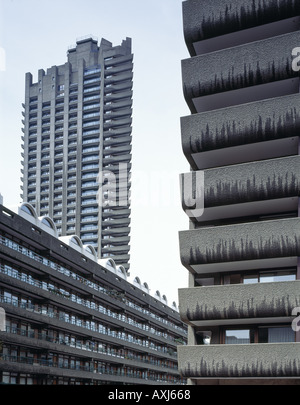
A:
(261, 334)
(276, 335)
(239, 336)
(270, 277)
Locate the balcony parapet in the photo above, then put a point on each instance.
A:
(249, 123)
(262, 360)
(255, 63)
(247, 183)
(238, 246)
(239, 301)
(204, 19)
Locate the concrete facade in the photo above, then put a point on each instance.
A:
(77, 145)
(68, 318)
(242, 251)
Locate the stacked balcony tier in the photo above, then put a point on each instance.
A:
(235, 361)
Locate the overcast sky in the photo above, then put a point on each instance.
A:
(35, 34)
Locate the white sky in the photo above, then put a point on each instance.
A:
(36, 34)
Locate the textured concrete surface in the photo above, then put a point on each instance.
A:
(255, 181)
(252, 360)
(244, 241)
(210, 18)
(242, 124)
(242, 66)
(236, 301)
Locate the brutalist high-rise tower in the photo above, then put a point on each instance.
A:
(241, 140)
(77, 145)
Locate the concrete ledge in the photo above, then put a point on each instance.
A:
(245, 124)
(276, 360)
(203, 19)
(261, 300)
(257, 181)
(242, 66)
(244, 242)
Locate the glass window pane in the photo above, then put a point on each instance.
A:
(265, 278)
(237, 336)
(278, 335)
(250, 279)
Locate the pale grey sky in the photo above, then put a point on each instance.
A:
(36, 34)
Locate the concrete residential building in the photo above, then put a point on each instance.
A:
(241, 84)
(74, 319)
(77, 123)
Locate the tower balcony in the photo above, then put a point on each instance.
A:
(247, 132)
(118, 113)
(122, 103)
(230, 76)
(109, 141)
(117, 222)
(116, 240)
(116, 232)
(243, 246)
(249, 189)
(110, 96)
(111, 149)
(262, 360)
(111, 159)
(239, 303)
(207, 23)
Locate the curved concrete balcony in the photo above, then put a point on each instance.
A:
(243, 246)
(253, 131)
(116, 141)
(126, 102)
(116, 213)
(118, 113)
(120, 86)
(116, 232)
(203, 19)
(112, 166)
(239, 303)
(120, 67)
(111, 159)
(121, 259)
(256, 188)
(262, 360)
(117, 149)
(116, 241)
(118, 131)
(241, 67)
(116, 250)
(125, 75)
(114, 222)
(115, 123)
(108, 96)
